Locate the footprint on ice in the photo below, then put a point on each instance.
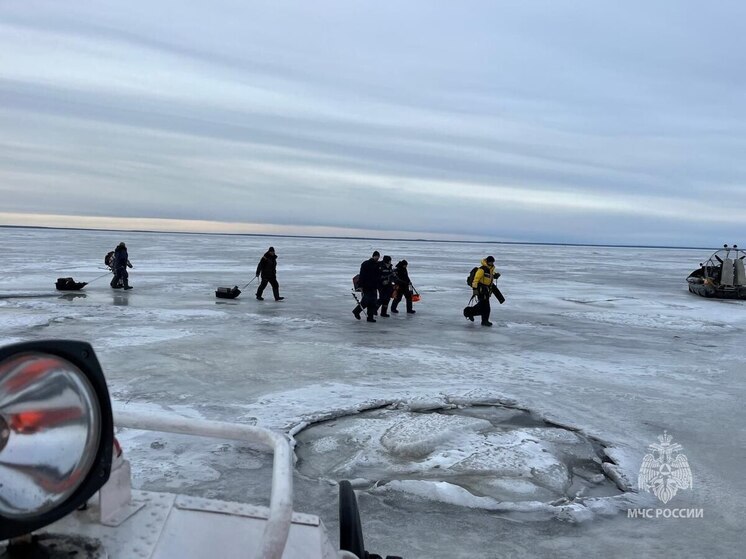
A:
(487, 457)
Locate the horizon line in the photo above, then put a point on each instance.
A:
(350, 238)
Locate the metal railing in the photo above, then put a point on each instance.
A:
(281, 500)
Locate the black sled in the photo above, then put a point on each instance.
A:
(69, 284)
(227, 292)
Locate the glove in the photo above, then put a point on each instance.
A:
(475, 292)
(257, 274)
(497, 275)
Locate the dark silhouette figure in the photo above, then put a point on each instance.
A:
(403, 287)
(385, 285)
(119, 263)
(267, 268)
(369, 280)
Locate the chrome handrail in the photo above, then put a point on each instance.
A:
(281, 500)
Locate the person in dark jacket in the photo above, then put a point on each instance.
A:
(369, 280)
(403, 287)
(267, 268)
(385, 285)
(483, 287)
(120, 263)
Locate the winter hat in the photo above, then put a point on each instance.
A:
(376, 253)
(271, 249)
(490, 259)
(122, 245)
(403, 263)
(387, 258)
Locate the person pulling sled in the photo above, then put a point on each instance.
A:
(119, 262)
(267, 268)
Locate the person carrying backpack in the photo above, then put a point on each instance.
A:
(120, 263)
(482, 281)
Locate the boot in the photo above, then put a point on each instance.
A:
(279, 298)
(411, 311)
(486, 323)
(259, 297)
(371, 319)
(384, 311)
(127, 285)
(356, 311)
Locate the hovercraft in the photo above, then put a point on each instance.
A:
(722, 276)
(65, 485)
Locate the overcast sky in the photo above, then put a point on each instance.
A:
(558, 121)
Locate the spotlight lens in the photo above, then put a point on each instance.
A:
(50, 424)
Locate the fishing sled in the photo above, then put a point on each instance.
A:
(227, 292)
(69, 284)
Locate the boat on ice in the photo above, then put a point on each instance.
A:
(65, 486)
(722, 276)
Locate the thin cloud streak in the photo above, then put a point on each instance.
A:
(551, 122)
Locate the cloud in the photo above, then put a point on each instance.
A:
(548, 121)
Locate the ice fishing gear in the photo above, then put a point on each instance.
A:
(227, 292)
(498, 294)
(230, 292)
(355, 290)
(69, 284)
(469, 308)
(415, 294)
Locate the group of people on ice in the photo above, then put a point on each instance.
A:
(381, 283)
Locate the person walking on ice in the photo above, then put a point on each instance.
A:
(368, 281)
(403, 287)
(267, 268)
(385, 285)
(483, 286)
(119, 263)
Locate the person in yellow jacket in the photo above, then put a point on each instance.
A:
(483, 286)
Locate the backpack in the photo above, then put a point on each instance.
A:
(470, 277)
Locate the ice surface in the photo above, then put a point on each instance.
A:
(420, 435)
(605, 340)
(496, 465)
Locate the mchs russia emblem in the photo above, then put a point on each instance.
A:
(664, 470)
